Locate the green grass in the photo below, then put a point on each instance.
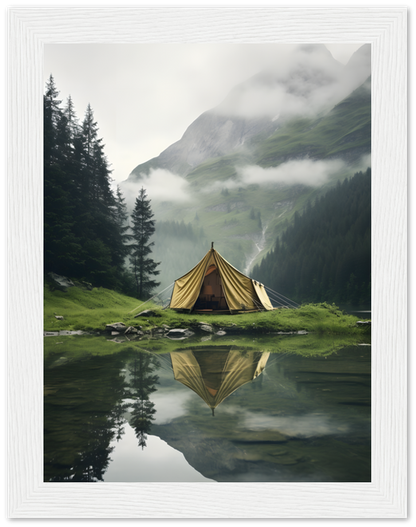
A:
(92, 310)
(85, 310)
(329, 329)
(316, 318)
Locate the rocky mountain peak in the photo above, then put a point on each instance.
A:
(311, 82)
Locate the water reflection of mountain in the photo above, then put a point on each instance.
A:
(215, 373)
(278, 417)
(310, 421)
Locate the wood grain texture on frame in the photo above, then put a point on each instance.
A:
(29, 29)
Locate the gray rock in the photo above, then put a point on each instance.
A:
(302, 332)
(221, 333)
(131, 329)
(61, 281)
(207, 328)
(61, 333)
(116, 326)
(59, 317)
(179, 334)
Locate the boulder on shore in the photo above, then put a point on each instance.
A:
(61, 282)
(179, 334)
(116, 326)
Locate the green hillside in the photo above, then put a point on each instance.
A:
(347, 127)
(238, 216)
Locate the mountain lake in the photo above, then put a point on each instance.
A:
(228, 409)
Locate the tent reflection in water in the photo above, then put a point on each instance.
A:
(215, 285)
(215, 373)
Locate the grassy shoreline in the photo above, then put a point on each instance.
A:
(91, 310)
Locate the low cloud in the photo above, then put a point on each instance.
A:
(160, 184)
(164, 186)
(263, 101)
(295, 172)
(364, 162)
(304, 81)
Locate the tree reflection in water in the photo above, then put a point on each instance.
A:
(142, 383)
(85, 409)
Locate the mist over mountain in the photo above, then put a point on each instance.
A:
(303, 84)
(278, 140)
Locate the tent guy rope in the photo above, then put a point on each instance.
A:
(143, 303)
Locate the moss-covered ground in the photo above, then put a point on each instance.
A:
(91, 310)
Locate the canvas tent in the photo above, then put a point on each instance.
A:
(215, 373)
(215, 285)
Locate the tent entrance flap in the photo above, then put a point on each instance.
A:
(211, 295)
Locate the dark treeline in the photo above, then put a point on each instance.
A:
(88, 232)
(83, 230)
(325, 255)
(88, 235)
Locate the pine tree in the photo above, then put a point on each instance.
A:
(69, 112)
(103, 251)
(90, 150)
(143, 227)
(83, 236)
(51, 116)
(61, 246)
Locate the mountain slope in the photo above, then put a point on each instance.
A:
(241, 171)
(312, 83)
(344, 132)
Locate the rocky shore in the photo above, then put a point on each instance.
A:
(120, 332)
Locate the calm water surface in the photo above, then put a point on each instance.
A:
(222, 412)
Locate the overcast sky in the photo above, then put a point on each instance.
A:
(144, 96)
